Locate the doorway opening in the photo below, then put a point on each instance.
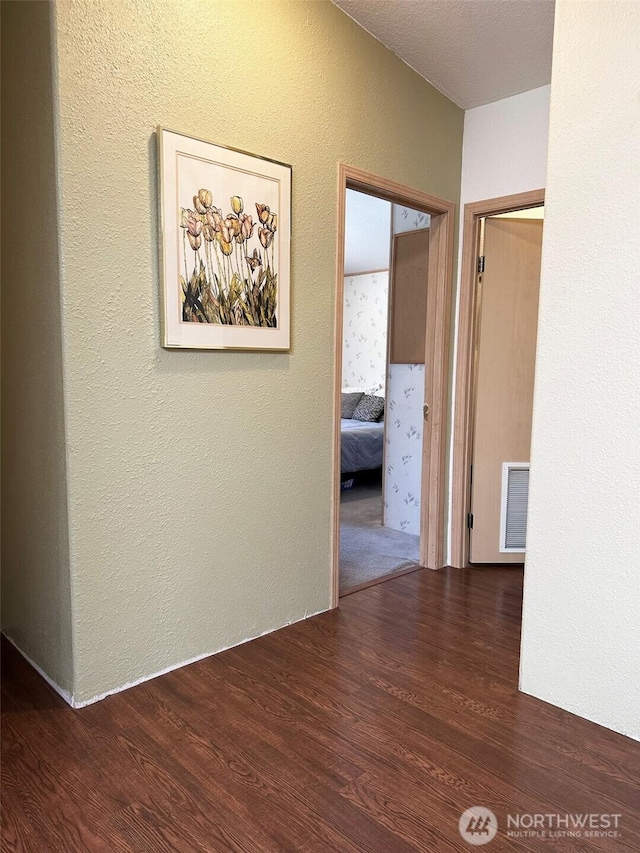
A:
(365, 377)
(384, 318)
(497, 332)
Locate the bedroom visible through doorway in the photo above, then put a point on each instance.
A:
(382, 395)
(438, 239)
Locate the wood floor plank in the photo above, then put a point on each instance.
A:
(370, 728)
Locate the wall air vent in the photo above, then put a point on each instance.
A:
(515, 499)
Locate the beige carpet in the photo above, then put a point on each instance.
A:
(367, 549)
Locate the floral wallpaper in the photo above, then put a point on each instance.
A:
(403, 450)
(405, 399)
(364, 344)
(405, 219)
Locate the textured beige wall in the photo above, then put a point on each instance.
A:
(199, 483)
(36, 602)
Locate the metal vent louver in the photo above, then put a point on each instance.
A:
(515, 498)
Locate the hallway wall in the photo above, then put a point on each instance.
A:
(504, 152)
(581, 629)
(36, 593)
(192, 522)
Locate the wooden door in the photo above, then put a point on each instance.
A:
(408, 321)
(504, 375)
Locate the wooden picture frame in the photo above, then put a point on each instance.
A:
(225, 246)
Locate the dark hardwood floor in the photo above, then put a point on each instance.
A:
(371, 728)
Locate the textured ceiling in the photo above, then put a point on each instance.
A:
(474, 51)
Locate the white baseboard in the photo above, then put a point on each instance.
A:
(71, 700)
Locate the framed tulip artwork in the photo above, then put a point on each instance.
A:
(225, 246)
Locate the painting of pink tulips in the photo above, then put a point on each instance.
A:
(225, 223)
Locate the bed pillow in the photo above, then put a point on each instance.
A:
(369, 408)
(349, 402)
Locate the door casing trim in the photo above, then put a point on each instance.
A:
(462, 438)
(439, 302)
